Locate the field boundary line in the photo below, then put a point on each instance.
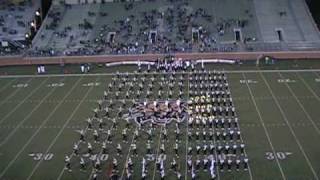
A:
(29, 114)
(61, 130)
(300, 104)
(31, 138)
(264, 128)
(290, 128)
(111, 74)
(21, 102)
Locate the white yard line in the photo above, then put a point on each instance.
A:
(302, 107)
(126, 157)
(85, 131)
(27, 116)
(290, 128)
(155, 160)
(187, 141)
(24, 99)
(245, 152)
(35, 133)
(264, 128)
(111, 74)
(8, 84)
(12, 94)
(308, 86)
(60, 132)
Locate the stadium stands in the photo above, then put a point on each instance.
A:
(91, 27)
(175, 26)
(15, 22)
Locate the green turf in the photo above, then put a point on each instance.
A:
(274, 116)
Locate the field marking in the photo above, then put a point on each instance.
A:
(12, 94)
(27, 116)
(9, 83)
(61, 130)
(304, 110)
(264, 128)
(112, 74)
(187, 138)
(243, 98)
(155, 160)
(24, 99)
(290, 128)
(31, 138)
(63, 169)
(308, 86)
(127, 158)
(250, 172)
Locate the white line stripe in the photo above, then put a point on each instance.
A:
(155, 166)
(60, 132)
(28, 116)
(290, 128)
(187, 138)
(127, 158)
(304, 110)
(12, 94)
(111, 74)
(250, 172)
(17, 106)
(265, 129)
(308, 86)
(9, 83)
(42, 124)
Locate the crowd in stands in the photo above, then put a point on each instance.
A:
(170, 27)
(175, 28)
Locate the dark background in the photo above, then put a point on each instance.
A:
(45, 5)
(314, 6)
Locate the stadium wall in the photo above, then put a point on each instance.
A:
(294, 55)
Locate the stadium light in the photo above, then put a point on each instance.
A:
(33, 24)
(37, 13)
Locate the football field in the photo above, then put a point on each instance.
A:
(40, 119)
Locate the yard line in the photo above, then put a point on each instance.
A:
(290, 128)
(150, 73)
(126, 157)
(304, 110)
(5, 86)
(308, 86)
(85, 131)
(12, 94)
(61, 130)
(264, 128)
(245, 152)
(188, 94)
(27, 97)
(40, 127)
(28, 116)
(155, 160)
